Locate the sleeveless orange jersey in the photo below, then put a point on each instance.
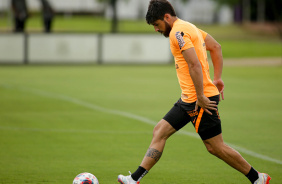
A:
(183, 36)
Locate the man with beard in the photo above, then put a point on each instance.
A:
(200, 95)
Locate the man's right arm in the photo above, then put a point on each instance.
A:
(195, 70)
(216, 55)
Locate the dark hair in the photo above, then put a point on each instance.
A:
(157, 9)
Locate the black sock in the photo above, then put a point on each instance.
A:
(252, 175)
(139, 174)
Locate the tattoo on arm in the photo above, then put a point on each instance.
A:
(153, 153)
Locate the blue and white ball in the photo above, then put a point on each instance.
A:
(85, 178)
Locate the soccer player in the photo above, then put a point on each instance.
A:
(199, 98)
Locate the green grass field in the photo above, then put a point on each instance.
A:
(58, 121)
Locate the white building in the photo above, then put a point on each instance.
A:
(197, 11)
(60, 5)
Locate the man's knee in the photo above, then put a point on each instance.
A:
(215, 145)
(159, 132)
(163, 130)
(216, 150)
(211, 150)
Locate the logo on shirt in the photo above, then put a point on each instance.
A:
(179, 36)
(176, 66)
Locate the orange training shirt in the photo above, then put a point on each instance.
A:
(183, 36)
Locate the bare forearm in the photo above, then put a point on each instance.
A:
(216, 56)
(197, 78)
(195, 70)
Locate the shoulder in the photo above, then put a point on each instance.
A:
(183, 27)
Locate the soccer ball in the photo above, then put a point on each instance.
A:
(85, 178)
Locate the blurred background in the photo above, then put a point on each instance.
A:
(253, 27)
(83, 83)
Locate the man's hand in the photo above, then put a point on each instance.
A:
(220, 86)
(206, 104)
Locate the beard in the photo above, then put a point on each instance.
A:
(166, 31)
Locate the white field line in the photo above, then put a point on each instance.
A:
(123, 114)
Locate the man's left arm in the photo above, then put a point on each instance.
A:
(216, 55)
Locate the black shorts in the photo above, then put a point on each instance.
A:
(207, 126)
